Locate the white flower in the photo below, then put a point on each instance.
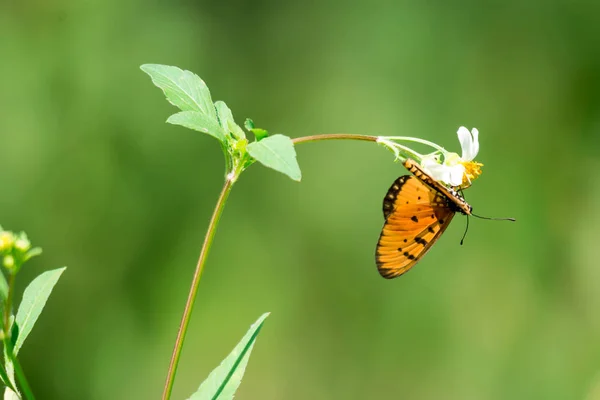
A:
(469, 143)
(456, 171)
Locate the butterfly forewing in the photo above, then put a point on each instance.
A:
(416, 215)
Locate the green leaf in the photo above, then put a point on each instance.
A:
(259, 133)
(277, 152)
(183, 89)
(4, 377)
(224, 380)
(34, 300)
(36, 251)
(11, 392)
(199, 122)
(226, 120)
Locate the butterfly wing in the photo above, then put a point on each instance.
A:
(416, 216)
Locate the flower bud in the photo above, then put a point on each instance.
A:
(8, 262)
(7, 240)
(22, 244)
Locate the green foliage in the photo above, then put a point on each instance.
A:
(227, 122)
(189, 93)
(259, 133)
(34, 300)
(200, 122)
(184, 89)
(16, 250)
(277, 152)
(224, 380)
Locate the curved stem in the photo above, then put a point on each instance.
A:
(386, 141)
(189, 305)
(397, 148)
(334, 136)
(417, 140)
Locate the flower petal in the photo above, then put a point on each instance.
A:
(466, 142)
(437, 171)
(475, 149)
(456, 175)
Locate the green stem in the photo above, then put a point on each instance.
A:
(20, 375)
(189, 305)
(417, 140)
(210, 233)
(334, 136)
(389, 142)
(8, 304)
(396, 148)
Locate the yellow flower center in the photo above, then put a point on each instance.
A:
(472, 172)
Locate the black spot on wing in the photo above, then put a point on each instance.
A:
(392, 195)
(421, 241)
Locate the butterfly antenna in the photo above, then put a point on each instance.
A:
(480, 217)
(493, 219)
(466, 230)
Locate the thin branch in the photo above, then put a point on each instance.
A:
(187, 312)
(334, 136)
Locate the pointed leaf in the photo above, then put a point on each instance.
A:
(277, 152)
(11, 391)
(199, 122)
(226, 120)
(34, 300)
(4, 377)
(183, 89)
(224, 380)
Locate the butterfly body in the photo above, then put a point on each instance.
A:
(417, 210)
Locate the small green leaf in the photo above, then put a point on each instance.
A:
(200, 122)
(259, 134)
(183, 89)
(36, 251)
(34, 300)
(226, 120)
(277, 152)
(224, 380)
(249, 124)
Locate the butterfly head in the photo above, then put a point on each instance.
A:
(458, 202)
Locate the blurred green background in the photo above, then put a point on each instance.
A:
(94, 175)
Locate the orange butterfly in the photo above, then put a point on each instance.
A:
(417, 210)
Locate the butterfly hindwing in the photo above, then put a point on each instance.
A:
(416, 215)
